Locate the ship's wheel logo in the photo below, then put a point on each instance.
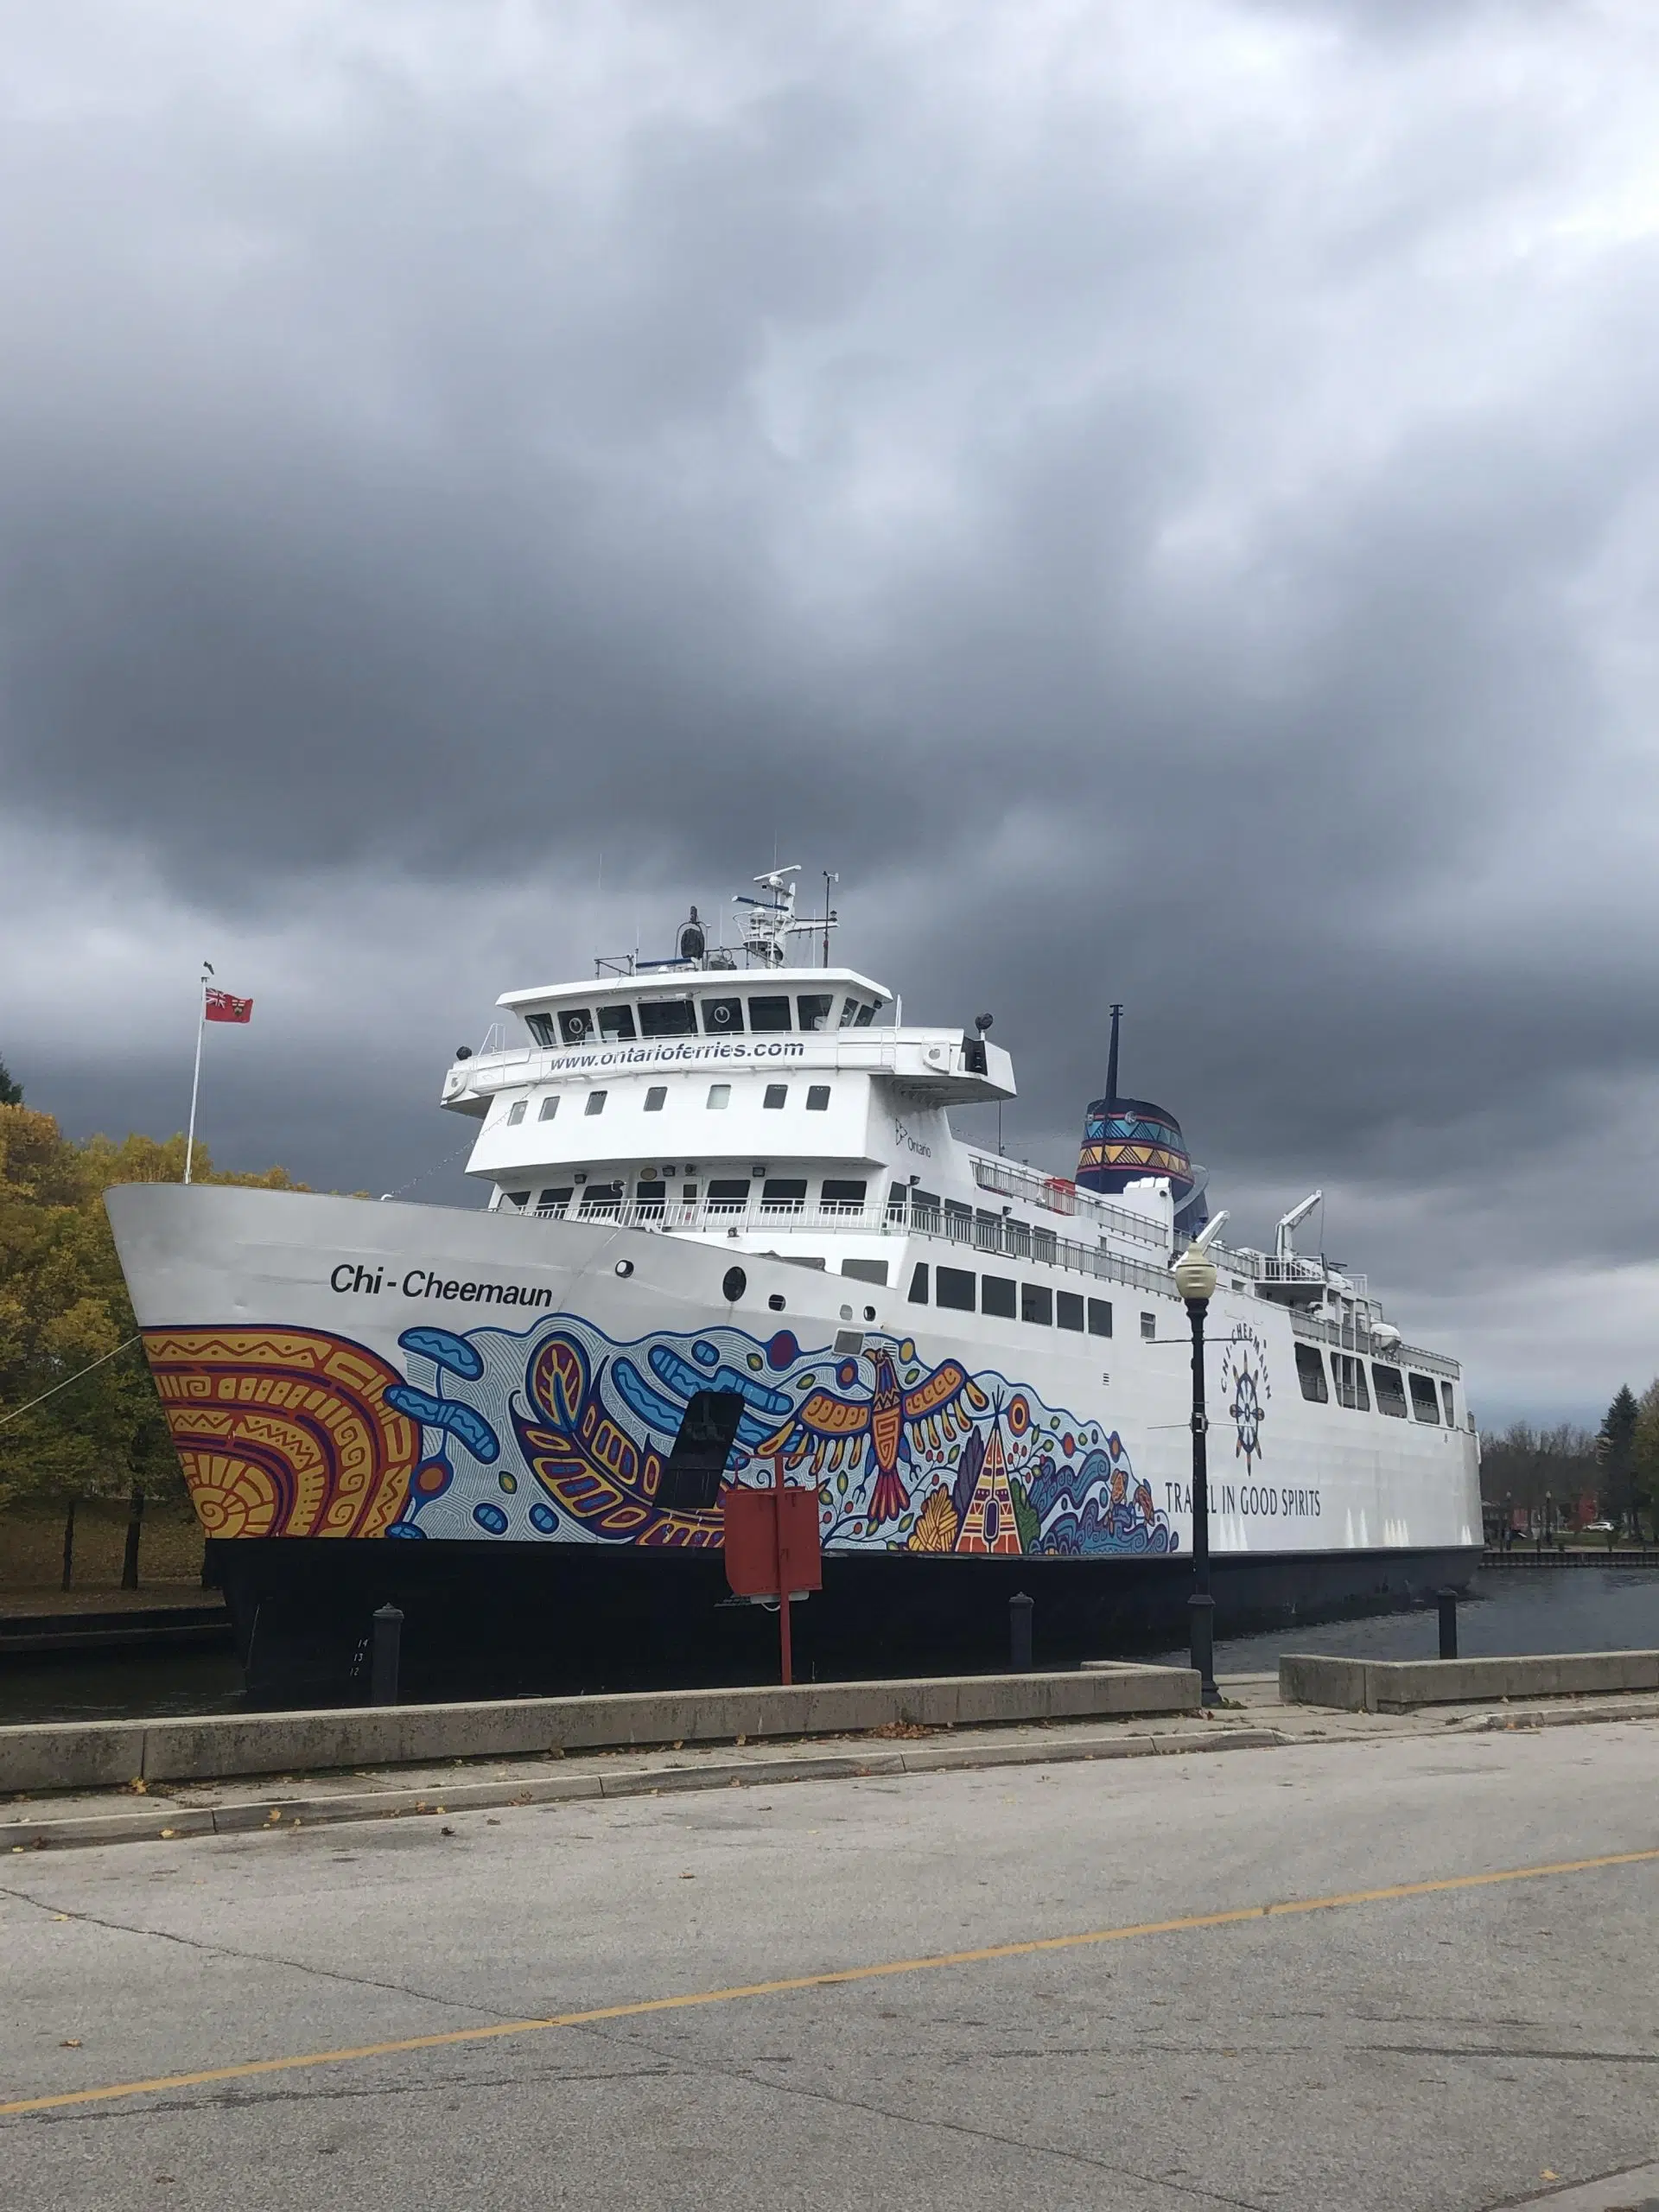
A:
(1245, 1379)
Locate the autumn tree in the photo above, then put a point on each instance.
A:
(78, 1413)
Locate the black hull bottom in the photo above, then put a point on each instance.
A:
(490, 1621)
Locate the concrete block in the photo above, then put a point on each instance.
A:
(70, 1754)
(92, 1754)
(1310, 1678)
(1399, 1686)
(1402, 1684)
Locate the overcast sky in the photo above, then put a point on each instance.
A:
(1161, 497)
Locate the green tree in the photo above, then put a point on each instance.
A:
(11, 1091)
(1646, 1455)
(1616, 1453)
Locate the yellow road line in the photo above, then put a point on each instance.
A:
(642, 2008)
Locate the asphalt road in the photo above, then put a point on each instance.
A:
(1469, 2044)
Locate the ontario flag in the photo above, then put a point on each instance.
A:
(220, 1006)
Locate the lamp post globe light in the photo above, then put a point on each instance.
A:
(1195, 1279)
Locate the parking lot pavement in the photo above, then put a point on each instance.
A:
(1396, 1974)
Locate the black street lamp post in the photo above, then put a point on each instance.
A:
(1195, 1278)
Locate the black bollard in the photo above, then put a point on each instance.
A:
(1447, 1601)
(1201, 1643)
(383, 1661)
(1020, 1612)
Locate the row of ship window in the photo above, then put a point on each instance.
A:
(775, 1099)
(721, 1194)
(963, 1292)
(762, 1014)
(1427, 1402)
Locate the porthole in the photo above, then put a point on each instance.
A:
(624, 1268)
(776, 1301)
(733, 1284)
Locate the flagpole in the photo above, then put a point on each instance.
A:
(195, 1080)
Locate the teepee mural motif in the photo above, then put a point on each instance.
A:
(989, 1525)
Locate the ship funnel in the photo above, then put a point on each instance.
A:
(1125, 1139)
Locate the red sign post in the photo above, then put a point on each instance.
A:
(771, 1547)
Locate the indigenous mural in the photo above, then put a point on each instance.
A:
(560, 1432)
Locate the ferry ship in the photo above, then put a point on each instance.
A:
(730, 1230)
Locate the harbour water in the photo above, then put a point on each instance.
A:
(1594, 1609)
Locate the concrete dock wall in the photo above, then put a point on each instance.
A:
(1400, 1685)
(90, 1754)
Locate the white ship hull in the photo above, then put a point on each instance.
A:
(423, 1379)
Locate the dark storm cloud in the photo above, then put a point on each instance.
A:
(1160, 499)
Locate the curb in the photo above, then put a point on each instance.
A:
(1500, 1723)
(266, 1814)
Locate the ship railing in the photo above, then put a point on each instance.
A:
(984, 1233)
(1289, 1268)
(1012, 1179)
(1368, 1344)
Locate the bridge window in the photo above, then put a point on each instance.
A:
(1351, 1382)
(616, 1024)
(1068, 1310)
(813, 1007)
(865, 1015)
(784, 1194)
(728, 1195)
(840, 1192)
(549, 1107)
(924, 1209)
(720, 1097)
(724, 1017)
(1037, 1304)
(1310, 1373)
(540, 1026)
(817, 1098)
(848, 1008)
(1100, 1317)
(576, 1025)
(517, 1199)
(918, 1283)
(668, 1018)
(596, 1102)
(601, 1197)
(516, 1112)
(777, 1096)
(996, 1296)
(1424, 1399)
(656, 1097)
(955, 1290)
(556, 1202)
(769, 1014)
(1390, 1390)
(652, 1194)
(1451, 1410)
(1044, 1246)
